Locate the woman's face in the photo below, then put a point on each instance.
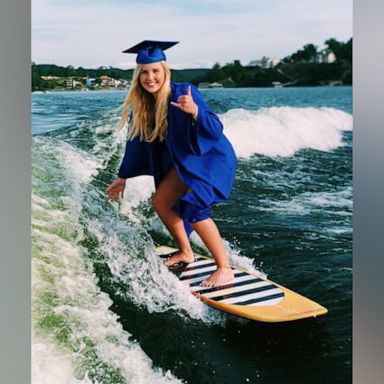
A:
(152, 77)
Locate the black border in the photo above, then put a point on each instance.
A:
(15, 210)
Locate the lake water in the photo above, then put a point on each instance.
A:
(104, 308)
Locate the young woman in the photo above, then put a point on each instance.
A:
(175, 137)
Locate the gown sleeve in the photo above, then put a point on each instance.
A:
(135, 161)
(203, 133)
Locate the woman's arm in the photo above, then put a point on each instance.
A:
(204, 128)
(135, 160)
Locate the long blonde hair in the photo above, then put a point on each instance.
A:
(149, 114)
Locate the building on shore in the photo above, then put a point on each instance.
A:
(210, 85)
(70, 83)
(50, 77)
(325, 56)
(215, 85)
(265, 62)
(110, 82)
(90, 81)
(105, 81)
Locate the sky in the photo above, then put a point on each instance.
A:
(93, 33)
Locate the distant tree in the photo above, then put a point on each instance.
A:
(347, 51)
(295, 57)
(306, 54)
(342, 51)
(70, 71)
(235, 71)
(215, 74)
(36, 79)
(81, 72)
(231, 74)
(309, 52)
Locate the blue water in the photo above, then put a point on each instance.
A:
(107, 309)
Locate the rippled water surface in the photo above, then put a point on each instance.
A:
(104, 308)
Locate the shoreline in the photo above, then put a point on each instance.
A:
(219, 89)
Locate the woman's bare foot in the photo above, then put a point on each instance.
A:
(220, 277)
(180, 256)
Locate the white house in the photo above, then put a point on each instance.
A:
(264, 62)
(104, 80)
(215, 85)
(326, 56)
(274, 61)
(90, 81)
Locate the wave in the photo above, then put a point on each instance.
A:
(75, 336)
(139, 275)
(282, 131)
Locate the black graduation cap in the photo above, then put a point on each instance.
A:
(150, 51)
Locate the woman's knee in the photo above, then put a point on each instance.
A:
(158, 202)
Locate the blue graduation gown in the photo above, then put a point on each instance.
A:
(201, 154)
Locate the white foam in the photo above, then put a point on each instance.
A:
(71, 320)
(137, 190)
(146, 282)
(282, 131)
(53, 365)
(235, 258)
(156, 288)
(339, 230)
(335, 203)
(76, 164)
(81, 166)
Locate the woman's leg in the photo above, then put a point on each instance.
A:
(209, 233)
(169, 191)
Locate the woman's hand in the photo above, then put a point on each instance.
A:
(186, 103)
(117, 186)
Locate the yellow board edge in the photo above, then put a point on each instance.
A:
(292, 307)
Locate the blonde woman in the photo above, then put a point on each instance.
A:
(175, 137)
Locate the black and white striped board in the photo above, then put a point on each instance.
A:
(249, 295)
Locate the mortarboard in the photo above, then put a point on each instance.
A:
(150, 51)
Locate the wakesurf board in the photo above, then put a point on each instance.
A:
(249, 295)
